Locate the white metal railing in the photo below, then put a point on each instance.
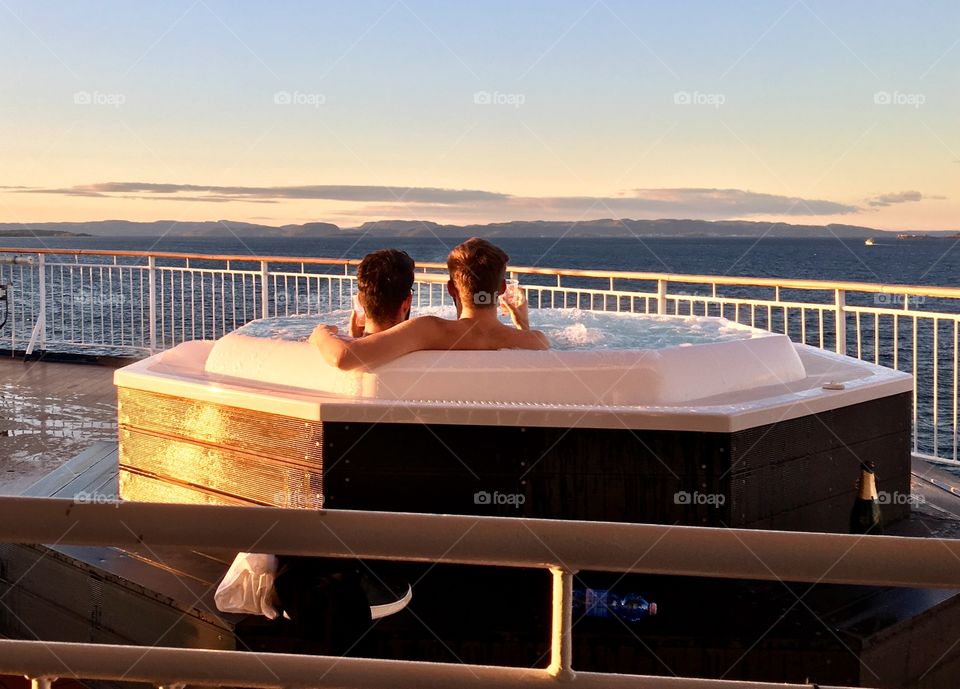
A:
(562, 546)
(132, 303)
(43, 662)
(170, 667)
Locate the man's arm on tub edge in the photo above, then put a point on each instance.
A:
(347, 354)
(425, 332)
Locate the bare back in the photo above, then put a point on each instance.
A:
(425, 332)
(470, 333)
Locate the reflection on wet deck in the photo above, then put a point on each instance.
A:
(50, 412)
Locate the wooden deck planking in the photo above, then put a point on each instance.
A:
(91, 602)
(94, 459)
(50, 412)
(91, 483)
(176, 579)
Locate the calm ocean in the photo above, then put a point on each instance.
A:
(924, 262)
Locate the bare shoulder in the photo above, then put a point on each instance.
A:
(432, 321)
(525, 339)
(432, 325)
(538, 340)
(433, 332)
(418, 325)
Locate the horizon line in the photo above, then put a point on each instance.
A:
(421, 221)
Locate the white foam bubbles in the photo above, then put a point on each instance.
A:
(566, 328)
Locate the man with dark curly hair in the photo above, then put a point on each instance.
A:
(384, 284)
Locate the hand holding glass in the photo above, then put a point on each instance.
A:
(358, 318)
(511, 295)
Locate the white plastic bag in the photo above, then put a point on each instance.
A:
(248, 586)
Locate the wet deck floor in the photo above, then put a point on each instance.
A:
(50, 412)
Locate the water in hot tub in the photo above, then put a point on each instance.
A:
(566, 328)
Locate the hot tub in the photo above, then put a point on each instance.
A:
(705, 422)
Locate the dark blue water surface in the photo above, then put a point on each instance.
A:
(922, 262)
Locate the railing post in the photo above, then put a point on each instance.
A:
(661, 297)
(42, 267)
(152, 301)
(11, 315)
(840, 309)
(265, 291)
(39, 334)
(561, 636)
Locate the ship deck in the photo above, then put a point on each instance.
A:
(164, 595)
(50, 412)
(59, 431)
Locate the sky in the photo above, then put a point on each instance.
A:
(462, 112)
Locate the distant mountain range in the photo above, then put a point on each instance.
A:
(40, 233)
(170, 228)
(417, 228)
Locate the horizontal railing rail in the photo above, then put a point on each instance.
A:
(504, 541)
(131, 303)
(172, 668)
(564, 547)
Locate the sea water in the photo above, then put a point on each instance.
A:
(566, 328)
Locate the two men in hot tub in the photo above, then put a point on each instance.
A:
(477, 277)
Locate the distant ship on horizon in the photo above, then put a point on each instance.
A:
(903, 236)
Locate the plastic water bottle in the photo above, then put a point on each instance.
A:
(629, 607)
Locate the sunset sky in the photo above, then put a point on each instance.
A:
(803, 111)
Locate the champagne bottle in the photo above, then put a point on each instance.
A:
(865, 515)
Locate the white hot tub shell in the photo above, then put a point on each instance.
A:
(776, 428)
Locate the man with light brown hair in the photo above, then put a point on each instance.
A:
(477, 277)
(477, 271)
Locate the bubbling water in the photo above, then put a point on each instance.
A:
(567, 329)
